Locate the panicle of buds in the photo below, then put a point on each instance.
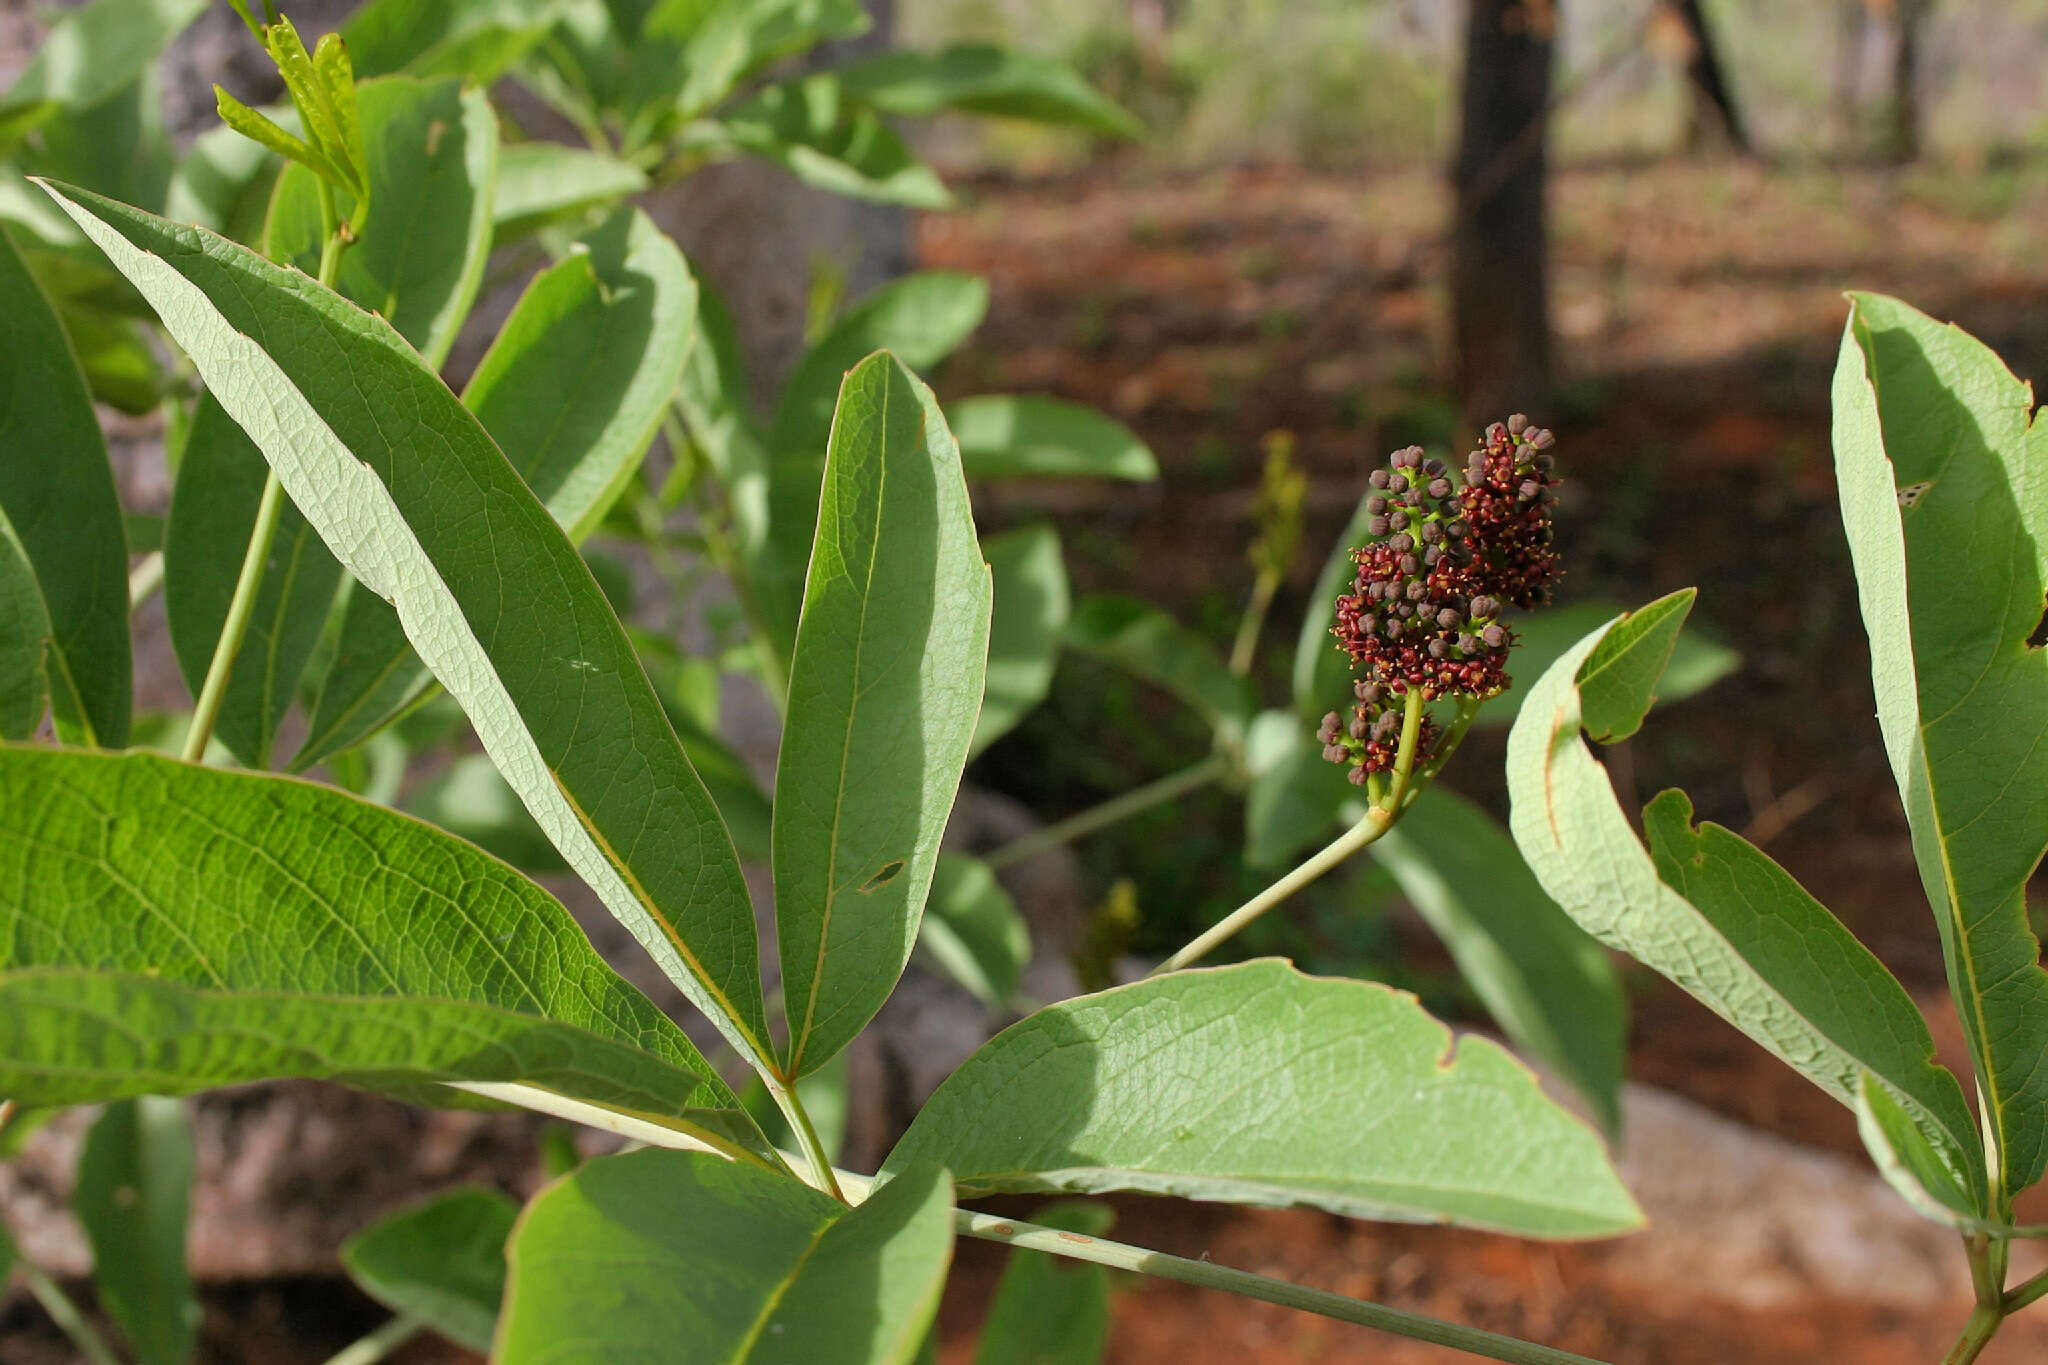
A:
(1450, 552)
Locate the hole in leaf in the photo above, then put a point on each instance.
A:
(1913, 492)
(883, 876)
(2039, 639)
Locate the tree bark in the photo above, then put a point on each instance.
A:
(1500, 297)
(1709, 83)
(1910, 20)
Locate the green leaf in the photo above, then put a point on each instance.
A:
(1031, 609)
(119, 147)
(971, 929)
(1618, 680)
(57, 490)
(1943, 477)
(572, 390)
(1909, 1163)
(1697, 660)
(269, 133)
(884, 687)
(982, 78)
(1543, 979)
(1028, 436)
(24, 640)
(479, 40)
(119, 367)
(812, 130)
(1146, 642)
(687, 55)
(408, 491)
(213, 512)
(1049, 1310)
(1254, 1084)
(327, 127)
(133, 1197)
(1720, 919)
(90, 54)
(922, 318)
(672, 1258)
(441, 1262)
(433, 151)
(540, 182)
(143, 865)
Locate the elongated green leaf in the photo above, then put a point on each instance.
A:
(1029, 436)
(213, 512)
(1146, 642)
(921, 318)
(259, 127)
(1049, 1310)
(442, 1262)
(119, 147)
(1944, 489)
(1909, 1163)
(884, 687)
(541, 181)
(812, 130)
(1543, 979)
(572, 390)
(24, 640)
(1697, 660)
(981, 78)
(477, 41)
(1254, 1084)
(133, 1197)
(433, 151)
(471, 798)
(89, 55)
(972, 931)
(1618, 680)
(673, 1258)
(1295, 794)
(1031, 609)
(1719, 918)
(57, 491)
(141, 864)
(402, 483)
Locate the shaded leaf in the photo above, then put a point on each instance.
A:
(687, 56)
(441, 1262)
(884, 686)
(392, 471)
(223, 182)
(57, 491)
(1952, 589)
(1029, 436)
(1720, 919)
(810, 129)
(133, 1197)
(24, 640)
(88, 56)
(982, 78)
(478, 39)
(1295, 794)
(1146, 642)
(539, 182)
(1031, 609)
(1322, 671)
(470, 798)
(971, 929)
(684, 1259)
(1254, 1084)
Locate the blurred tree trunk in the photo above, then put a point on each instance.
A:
(1852, 20)
(1709, 83)
(1910, 21)
(1500, 296)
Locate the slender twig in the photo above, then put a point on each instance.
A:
(606, 1120)
(1111, 811)
(67, 1316)
(786, 1099)
(369, 1349)
(2024, 1293)
(1987, 1277)
(145, 578)
(1376, 821)
(1252, 622)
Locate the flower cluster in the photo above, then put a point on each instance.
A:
(1448, 556)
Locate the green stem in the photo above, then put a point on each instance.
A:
(792, 1107)
(370, 1349)
(67, 1316)
(232, 631)
(1987, 1277)
(1253, 621)
(1111, 811)
(1375, 822)
(1977, 1334)
(2025, 1293)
